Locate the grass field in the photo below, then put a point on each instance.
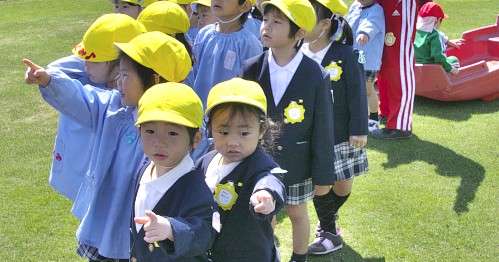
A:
(431, 198)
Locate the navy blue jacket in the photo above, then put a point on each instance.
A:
(305, 149)
(246, 235)
(189, 206)
(349, 92)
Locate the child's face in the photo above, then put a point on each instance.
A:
(275, 30)
(320, 27)
(226, 9)
(100, 72)
(126, 8)
(236, 138)
(205, 16)
(129, 84)
(166, 144)
(438, 23)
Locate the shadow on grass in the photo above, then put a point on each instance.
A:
(453, 110)
(447, 163)
(347, 254)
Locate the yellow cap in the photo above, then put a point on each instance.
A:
(237, 90)
(143, 3)
(181, 2)
(97, 44)
(194, 4)
(335, 6)
(166, 17)
(171, 102)
(160, 52)
(300, 12)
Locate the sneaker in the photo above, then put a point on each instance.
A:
(325, 242)
(383, 119)
(372, 125)
(391, 134)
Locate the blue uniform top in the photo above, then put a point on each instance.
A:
(370, 21)
(219, 57)
(103, 201)
(72, 140)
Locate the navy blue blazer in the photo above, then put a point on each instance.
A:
(349, 92)
(305, 149)
(189, 206)
(247, 236)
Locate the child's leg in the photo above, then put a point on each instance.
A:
(298, 214)
(341, 192)
(372, 99)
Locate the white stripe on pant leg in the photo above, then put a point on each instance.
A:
(412, 77)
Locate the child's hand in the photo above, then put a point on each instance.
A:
(457, 43)
(36, 74)
(358, 141)
(157, 228)
(262, 202)
(454, 71)
(362, 39)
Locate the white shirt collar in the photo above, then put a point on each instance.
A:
(317, 57)
(291, 66)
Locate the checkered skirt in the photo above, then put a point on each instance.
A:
(349, 161)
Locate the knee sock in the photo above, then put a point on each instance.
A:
(325, 208)
(374, 116)
(338, 200)
(298, 258)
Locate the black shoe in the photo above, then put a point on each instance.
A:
(391, 134)
(383, 120)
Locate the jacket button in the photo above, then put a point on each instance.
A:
(151, 247)
(279, 148)
(134, 259)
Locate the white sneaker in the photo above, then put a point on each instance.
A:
(372, 125)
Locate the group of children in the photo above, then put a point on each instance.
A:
(134, 142)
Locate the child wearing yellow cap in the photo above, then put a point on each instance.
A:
(169, 18)
(244, 179)
(130, 7)
(202, 8)
(173, 206)
(298, 96)
(116, 152)
(193, 19)
(330, 45)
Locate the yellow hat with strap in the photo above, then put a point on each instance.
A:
(98, 41)
(171, 102)
(237, 90)
(181, 2)
(166, 17)
(300, 12)
(143, 3)
(160, 52)
(335, 6)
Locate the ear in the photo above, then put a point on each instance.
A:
(300, 34)
(156, 79)
(325, 24)
(246, 6)
(197, 139)
(262, 132)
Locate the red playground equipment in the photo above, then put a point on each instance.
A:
(478, 76)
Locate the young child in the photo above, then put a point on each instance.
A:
(130, 7)
(238, 172)
(116, 152)
(193, 19)
(173, 205)
(169, 18)
(330, 44)
(203, 10)
(367, 20)
(298, 96)
(73, 143)
(428, 45)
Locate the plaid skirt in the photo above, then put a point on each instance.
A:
(300, 193)
(349, 161)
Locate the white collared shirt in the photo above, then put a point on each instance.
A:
(317, 57)
(281, 76)
(152, 190)
(216, 171)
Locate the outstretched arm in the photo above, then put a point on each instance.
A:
(36, 74)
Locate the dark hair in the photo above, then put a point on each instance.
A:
(269, 128)
(181, 38)
(145, 74)
(323, 12)
(192, 133)
(293, 27)
(244, 16)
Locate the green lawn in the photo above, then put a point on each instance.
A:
(431, 198)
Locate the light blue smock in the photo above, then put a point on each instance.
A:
(104, 201)
(370, 21)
